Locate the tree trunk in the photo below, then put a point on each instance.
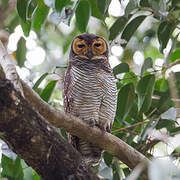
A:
(36, 141)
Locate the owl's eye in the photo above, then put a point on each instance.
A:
(80, 45)
(97, 44)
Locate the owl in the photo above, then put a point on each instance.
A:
(89, 90)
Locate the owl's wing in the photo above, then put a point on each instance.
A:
(68, 101)
(108, 103)
(67, 90)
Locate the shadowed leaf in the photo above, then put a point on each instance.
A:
(21, 52)
(38, 82)
(83, 12)
(126, 97)
(145, 89)
(148, 63)
(117, 27)
(120, 68)
(131, 28)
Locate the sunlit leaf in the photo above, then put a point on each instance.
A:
(83, 12)
(164, 33)
(129, 77)
(21, 9)
(36, 176)
(47, 91)
(169, 114)
(120, 68)
(27, 171)
(148, 63)
(21, 52)
(117, 27)
(38, 82)
(131, 28)
(39, 17)
(130, 7)
(126, 97)
(145, 89)
(105, 171)
(163, 169)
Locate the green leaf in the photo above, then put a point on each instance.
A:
(36, 176)
(27, 170)
(59, 4)
(117, 27)
(165, 124)
(17, 170)
(121, 68)
(164, 33)
(144, 3)
(21, 52)
(47, 91)
(39, 17)
(95, 10)
(126, 97)
(38, 82)
(175, 55)
(145, 89)
(21, 9)
(130, 7)
(83, 13)
(31, 8)
(161, 85)
(11, 168)
(175, 130)
(129, 77)
(103, 6)
(148, 63)
(107, 158)
(26, 26)
(131, 28)
(116, 171)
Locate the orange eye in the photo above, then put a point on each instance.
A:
(80, 46)
(97, 44)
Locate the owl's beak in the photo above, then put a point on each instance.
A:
(89, 54)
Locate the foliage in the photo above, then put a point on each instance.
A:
(147, 102)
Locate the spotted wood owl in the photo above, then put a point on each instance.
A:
(90, 90)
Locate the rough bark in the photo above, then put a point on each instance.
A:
(36, 141)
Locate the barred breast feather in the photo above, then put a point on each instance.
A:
(90, 94)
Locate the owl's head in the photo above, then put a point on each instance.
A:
(90, 47)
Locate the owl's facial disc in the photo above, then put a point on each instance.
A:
(90, 50)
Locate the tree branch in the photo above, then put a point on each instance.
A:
(77, 127)
(36, 141)
(9, 68)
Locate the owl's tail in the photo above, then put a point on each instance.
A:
(91, 154)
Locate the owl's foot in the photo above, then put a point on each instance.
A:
(104, 128)
(92, 122)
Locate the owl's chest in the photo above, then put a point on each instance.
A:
(88, 83)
